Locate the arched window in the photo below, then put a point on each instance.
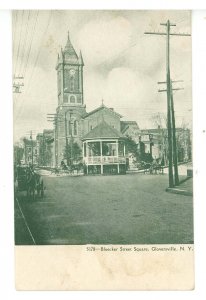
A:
(72, 83)
(75, 127)
(72, 99)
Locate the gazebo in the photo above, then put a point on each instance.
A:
(104, 151)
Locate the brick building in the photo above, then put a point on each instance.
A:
(30, 151)
(45, 148)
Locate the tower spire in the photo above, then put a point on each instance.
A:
(81, 62)
(69, 50)
(70, 76)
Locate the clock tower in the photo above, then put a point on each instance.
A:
(70, 76)
(71, 107)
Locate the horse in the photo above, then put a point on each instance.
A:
(159, 169)
(34, 183)
(39, 185)
(31, 184)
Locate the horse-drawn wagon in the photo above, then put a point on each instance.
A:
(27, 179)
(152, 168)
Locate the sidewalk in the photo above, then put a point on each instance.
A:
(184, 188)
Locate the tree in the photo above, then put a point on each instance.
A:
(183, 138)
(72, 152)
(160, 121)
(131, 147)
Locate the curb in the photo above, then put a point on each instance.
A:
(179, 191)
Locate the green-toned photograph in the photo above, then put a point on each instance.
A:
(102, 127)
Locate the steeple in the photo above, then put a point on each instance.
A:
(70, 76)
(57, 61)
(69, 52)
(81, 62)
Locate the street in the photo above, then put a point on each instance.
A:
(127, 209)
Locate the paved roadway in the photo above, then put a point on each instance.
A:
(127, 209)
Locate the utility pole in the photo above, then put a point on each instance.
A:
(169, 91)
(55, 119)
(151, 143)
(174, 140)
(25, 152)
(173, 130)
(66, 137)
(70, 124)
(32, 151)
(171, 180)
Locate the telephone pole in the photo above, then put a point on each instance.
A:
(174, 141)
(66, 138)
(173, 129)
(168, 25)
(32, 150)
(66, 135)
(55, 119)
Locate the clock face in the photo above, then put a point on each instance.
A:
(72, 72)
(69, 80)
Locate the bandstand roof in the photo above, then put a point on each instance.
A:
(103, 131)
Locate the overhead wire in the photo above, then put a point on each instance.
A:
(181, 20)
(34, 67)
(16, 99)
(133, 44)
(31, 42)
(24, 42)
(14, 26)
(20, 37)
(37, 57)
(39, 51)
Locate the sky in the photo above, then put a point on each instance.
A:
(122, 64)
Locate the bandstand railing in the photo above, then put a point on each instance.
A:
(93, 160)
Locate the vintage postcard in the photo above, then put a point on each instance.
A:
(103, 176)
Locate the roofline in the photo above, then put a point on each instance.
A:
(164, 128)
(125, 128)
(129, 122)
(100, 107)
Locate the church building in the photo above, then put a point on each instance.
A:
(100, 133)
